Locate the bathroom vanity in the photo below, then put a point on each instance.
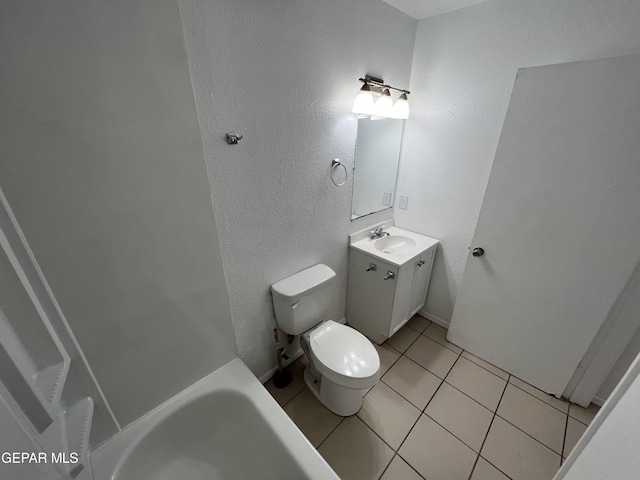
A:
(388, 280)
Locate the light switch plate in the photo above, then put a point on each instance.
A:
(404, 202)
(386, 199)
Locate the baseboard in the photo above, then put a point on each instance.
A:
(598, 401)
(265, 377)
(434, 319)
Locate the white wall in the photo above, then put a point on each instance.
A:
(102, 161)
(284, 74)
(464, 67)
(608, 449)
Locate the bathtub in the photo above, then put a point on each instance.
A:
(226, 426)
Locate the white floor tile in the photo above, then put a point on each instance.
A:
(435, 453)
(485, 471)
(413, 382)
(418, 323)
(559, 403)
(518, 455)
(439, 334)
(388, 356)
(480, 384)
(575, 430)
(314, 419)
(400, 470)
(460, 415)
(583, 415)
(432, 356)
(486, 365)
(533, 416)
(355, 452)
(402, 339)
(388, 414)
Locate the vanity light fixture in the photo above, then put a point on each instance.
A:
(364, 104)
(384, 105)
(401, 108)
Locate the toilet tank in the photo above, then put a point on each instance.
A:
(302, 300)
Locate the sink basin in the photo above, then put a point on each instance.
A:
(394, 244)
(397, 248)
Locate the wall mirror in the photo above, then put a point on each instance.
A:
(376, 165)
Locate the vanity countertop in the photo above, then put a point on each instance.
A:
(397, 248)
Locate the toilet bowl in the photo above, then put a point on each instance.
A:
(342, 361)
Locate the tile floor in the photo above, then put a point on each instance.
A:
(439, 413)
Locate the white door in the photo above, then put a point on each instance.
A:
(560, 221)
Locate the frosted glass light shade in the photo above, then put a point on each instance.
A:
(384, 105)
(401, 108)
(363, 104)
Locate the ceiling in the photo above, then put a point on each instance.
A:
(420, 9)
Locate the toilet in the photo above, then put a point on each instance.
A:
(342, 361)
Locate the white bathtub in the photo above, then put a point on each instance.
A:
(226, 426)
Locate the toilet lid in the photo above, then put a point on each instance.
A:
(344, 350)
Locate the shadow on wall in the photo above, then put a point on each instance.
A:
(442, 294)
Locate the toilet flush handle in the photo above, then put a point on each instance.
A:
(294, 305)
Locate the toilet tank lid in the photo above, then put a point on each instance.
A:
(303, 283)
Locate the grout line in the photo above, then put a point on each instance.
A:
(454, 435)
(291, 399)
(421, 413)
(480, 456)
(485, 368)
(376, 434)
(409, 346)
(443, 344)
(328, 435)
(564, 440)
(430, 322)
(425, 407)
(576, 419)
(469, 396)
(454, 364)
(528, 434)
(387, 467)
(489, 429)
(539, 399)
(410, 466)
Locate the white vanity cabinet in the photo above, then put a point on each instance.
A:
(386, 289)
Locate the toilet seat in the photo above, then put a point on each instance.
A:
(344, 355)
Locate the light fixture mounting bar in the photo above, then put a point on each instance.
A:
(380, 83)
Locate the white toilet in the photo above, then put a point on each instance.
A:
(342, 361)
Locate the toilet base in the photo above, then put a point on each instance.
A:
(340, 400)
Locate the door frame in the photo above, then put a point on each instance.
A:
(608, 345)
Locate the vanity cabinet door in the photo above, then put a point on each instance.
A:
(421, 275)
(403, 298)
(369, 295)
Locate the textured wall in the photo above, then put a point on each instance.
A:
(101, 159)
(464, 67)
(284, 73)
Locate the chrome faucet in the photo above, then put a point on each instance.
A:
(378, 232)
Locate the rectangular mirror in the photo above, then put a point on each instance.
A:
(376, 165)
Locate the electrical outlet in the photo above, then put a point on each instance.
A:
(404, 202)
(386, 199)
